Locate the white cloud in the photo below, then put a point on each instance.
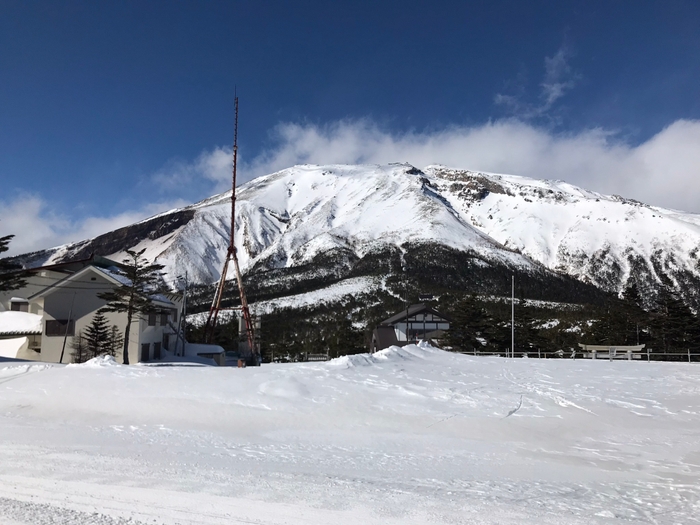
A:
(213, 166)
(559, 78)
(663, 171)
(36, 226)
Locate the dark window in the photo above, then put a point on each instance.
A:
(19, 306)
(145, 351)
(166, 341)
(173, 313)
(164, 319)
(156, 350)
(152, 319)
(58, 327)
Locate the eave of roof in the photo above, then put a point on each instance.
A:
(412, 310)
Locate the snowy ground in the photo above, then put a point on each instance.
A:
(412, 436)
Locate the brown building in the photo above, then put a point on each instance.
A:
(417, 322)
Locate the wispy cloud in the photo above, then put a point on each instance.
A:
(212, 165)
(559, 78)
(35, 226)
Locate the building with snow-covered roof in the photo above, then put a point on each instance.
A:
(20, 334)
(417, 322)
(65, 298)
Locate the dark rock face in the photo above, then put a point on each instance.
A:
(115, 241)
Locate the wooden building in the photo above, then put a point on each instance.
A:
(417, 322)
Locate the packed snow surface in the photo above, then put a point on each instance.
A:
(410, 436)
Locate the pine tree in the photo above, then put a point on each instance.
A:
(527, 332)
(470, 326)
(79, 349)
(674, 327)
(133, 296)
(114, 342)
(97, 334)
(11, 278)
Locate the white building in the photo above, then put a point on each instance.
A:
(64, 299)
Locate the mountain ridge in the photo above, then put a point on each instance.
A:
(289, 218)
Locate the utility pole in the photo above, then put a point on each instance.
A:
(512, 317)
(65, 335)
(182, 324)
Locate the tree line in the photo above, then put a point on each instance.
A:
(666, 326)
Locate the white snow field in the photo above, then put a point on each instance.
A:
(406, 436)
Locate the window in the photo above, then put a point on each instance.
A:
(164, 319)
(57, 328)
(145, 351)
(156, 350)
(19, 306)
(166, 341)
(173, 314)
(152, 319)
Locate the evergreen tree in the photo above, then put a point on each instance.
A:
(674, 327)
(471, 325)
(80, 351)
(142, 279)
(527, 332)
(11, 278)
(97, 334)
(115, 341)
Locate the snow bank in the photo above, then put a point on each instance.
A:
(9, 348)
(98, 362)
(393, 353)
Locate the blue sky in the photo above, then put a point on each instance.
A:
(112, 111)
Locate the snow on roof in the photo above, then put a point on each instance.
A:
(20, 323)
(10, 347)
(115, 274)
(195, 349)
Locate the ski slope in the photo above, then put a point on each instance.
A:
(406, 436)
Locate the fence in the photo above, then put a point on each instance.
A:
(686, 357)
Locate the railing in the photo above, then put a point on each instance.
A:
(686, 357)
(283, 357)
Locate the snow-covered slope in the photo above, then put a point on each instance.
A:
(410, 436)
(598, 238)
(288, 218)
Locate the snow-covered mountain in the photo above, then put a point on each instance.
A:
(291, 218)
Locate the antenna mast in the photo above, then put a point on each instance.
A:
(232, 256)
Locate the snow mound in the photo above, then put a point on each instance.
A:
(393, 353)
(99, 362)
(9, 348)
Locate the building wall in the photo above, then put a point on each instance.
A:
(80, 302)
(34, 284)
(84, 302)
(417, 324)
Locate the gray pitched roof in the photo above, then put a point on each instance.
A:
(414, 309)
